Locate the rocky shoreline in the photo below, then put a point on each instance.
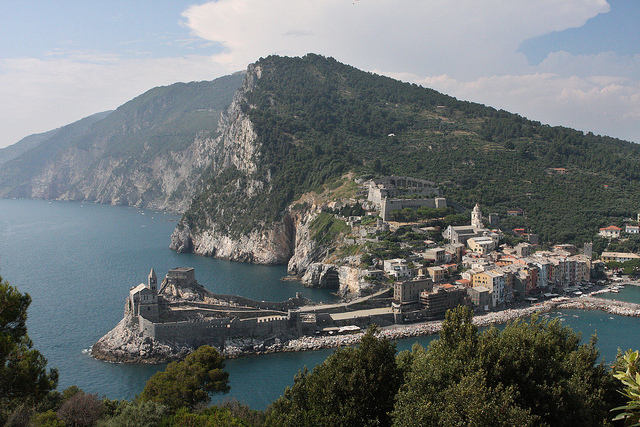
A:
(122, 345)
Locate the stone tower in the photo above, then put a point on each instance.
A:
(152, 281)
(476, 217)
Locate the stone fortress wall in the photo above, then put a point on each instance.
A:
(217, 331)
(398, 192)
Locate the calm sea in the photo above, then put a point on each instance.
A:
(78, 261)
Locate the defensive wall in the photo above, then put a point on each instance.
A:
(215, 331)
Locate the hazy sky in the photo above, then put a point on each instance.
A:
(574, 63)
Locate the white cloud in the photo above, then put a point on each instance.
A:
(460, 38)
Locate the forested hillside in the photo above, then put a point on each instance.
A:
(317, 119)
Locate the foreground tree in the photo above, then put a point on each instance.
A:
(81, 410)
(190, 382)
(352, 387)
(23, 375)
(534, 373)
(137, 414)
(628, 372)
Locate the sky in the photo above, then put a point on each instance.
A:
(573, 63)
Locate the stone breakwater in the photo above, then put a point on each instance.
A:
(420, 329)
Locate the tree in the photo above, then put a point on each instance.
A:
(628, 373)
(188, 383)
(81, 410)
(214, 416)
(23, 374)
(352, 387)
(531, 373)
(138, 414)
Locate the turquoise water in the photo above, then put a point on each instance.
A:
(630, 293)
(78, 261)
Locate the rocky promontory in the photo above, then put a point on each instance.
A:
(123, 344)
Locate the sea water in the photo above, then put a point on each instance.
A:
(78, 261)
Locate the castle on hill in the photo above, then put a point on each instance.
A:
(394, 193)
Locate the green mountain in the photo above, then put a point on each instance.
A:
(31, 141)
(316, 119)
(251, 158)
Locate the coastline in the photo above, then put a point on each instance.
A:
(124, 344)
(306, 343)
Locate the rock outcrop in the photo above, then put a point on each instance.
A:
(345, 280)
(320, 275)
(125, 344)
(272, 246)
(306, 250)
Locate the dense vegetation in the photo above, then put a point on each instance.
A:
(317, 119)
(530, 373)
(23, 374)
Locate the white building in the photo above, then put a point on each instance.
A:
(396, 268)
(611, 232)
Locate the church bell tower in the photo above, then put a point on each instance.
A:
(476, 217)
(152, 281)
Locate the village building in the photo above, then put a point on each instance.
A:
(480, 296)
(570, 249)
(632, 229)
(611, 232)
(408, 291)
(375, 274)
(441, 298)
(435, 255)
(437, 274)
(523, 249)
(495, 282)
(143, 299)
(397, 268)
(482, 245)
(618, 256)
(460, 234)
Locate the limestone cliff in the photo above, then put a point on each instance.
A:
(345, 280)
(168, 182)
(271, 246)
